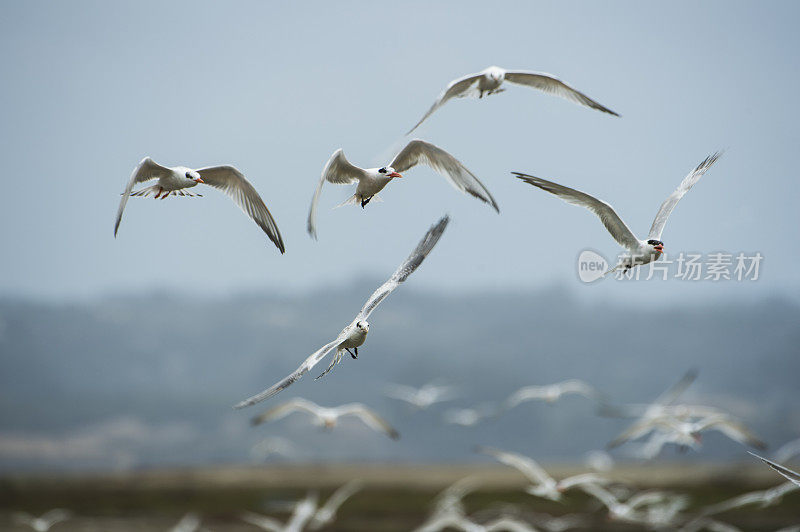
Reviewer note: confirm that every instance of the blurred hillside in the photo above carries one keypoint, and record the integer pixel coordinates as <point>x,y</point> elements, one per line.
<point>130,382</point>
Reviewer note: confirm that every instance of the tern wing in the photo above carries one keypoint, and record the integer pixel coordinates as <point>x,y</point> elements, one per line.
<point>600,494</point>
<point>579,387</point>
<point>339,497</point>
<point>734,430</point>
<point>262,521</point>
<point>526,466</point>
<point>285,409</point>
<point>459,88</point>
<point>611,220</point>
<point>406,268</point>
<point>669,204</point>
<point>304,510</point>
<point>526,394</point>
<point>146,170</point>
<point>233,183</point>
<point>400,392</point>
<point>552,85</point>
<point>338,170</point>
<point>673,392</point>
<point>578,480</point>
<point>636,430</point>
<point>293,377</point>
<point>370,418</point>
<point>421,152</point>
<point>784,471</point>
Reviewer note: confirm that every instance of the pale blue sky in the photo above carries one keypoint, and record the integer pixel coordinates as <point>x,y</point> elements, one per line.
<point>89,88</point>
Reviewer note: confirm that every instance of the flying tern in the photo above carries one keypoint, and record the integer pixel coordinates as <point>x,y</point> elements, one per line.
<point>355,333</point>
<point>328,417</point>
<point>543,485</point>
<point>422,398</point>
<point>551,393</point>
<point>688,433</point>
<point>370,181</point>
<point>489,81</point>
<point>638,252</point>
<point>176,180</point>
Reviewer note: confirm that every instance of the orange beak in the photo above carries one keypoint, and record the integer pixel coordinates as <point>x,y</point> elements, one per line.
<point>394,174</point>
<point>659,248</point>
<point>199,180</point>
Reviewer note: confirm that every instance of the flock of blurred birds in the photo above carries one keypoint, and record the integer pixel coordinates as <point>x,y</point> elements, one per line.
<point>664,421</point>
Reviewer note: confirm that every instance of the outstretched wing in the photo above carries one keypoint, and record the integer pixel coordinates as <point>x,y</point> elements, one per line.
<point>407,268</point>
<point>146,170</point>
<point>669,204</point>
<point>331,506</point>
<point>672,393</point>
<point>527,466</point>
<point>459,88</point>
<point>526,393</point>
<point>411,263</point>
<point>785,471</point>
<point>233,183</point>
<point>262,521</point>
<point>611,220</point>
<point>733,430</point>
<point>372,420</point>
<point>552,85</point>
<point>285,409</point>
<point>636,430</point>
<point>579,387</point>
<point>578,480</point>
<point>400,392</point>
<point>293,377</point>
<point>421,152</point>
<point>339,171</point>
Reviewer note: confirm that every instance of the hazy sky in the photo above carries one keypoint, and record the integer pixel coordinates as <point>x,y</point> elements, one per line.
<point>89,88</point>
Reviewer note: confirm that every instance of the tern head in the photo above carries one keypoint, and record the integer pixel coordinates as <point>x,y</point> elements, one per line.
<point>388,171</point>
<point>363,326</point>
<point>495,73</point>
<point>657,245</point>
<point>192,175</point>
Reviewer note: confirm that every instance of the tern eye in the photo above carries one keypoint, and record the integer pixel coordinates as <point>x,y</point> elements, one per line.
<point>382,170</point>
